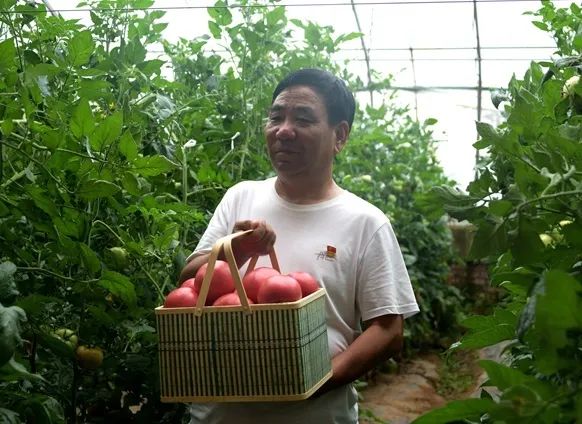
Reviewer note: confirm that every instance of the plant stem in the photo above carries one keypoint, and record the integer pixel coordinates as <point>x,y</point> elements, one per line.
<point>29,157</point>
<point>33,353</point>
<point>548,197</point>
<point>54,274</point>
<point>366,56</point>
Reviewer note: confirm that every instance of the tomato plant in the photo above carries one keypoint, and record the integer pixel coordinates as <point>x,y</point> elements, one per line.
<point>527,205</point>
<point>109,172</point>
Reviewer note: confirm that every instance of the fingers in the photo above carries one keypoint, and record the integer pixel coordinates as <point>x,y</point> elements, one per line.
<point>243,226</point>
<point>260,241</point>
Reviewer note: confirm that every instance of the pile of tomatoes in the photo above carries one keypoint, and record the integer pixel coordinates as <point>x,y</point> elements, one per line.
<point>261,285</point>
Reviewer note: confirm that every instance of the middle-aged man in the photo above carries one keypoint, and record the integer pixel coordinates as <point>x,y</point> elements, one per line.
<point>347,244</point>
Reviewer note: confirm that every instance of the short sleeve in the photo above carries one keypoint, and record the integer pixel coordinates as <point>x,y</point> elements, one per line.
<point>383,284</point>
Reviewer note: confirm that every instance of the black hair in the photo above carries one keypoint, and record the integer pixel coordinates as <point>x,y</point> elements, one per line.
<point>338,100</point>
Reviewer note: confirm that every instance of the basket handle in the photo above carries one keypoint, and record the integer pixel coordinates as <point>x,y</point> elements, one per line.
<point>225,244</point>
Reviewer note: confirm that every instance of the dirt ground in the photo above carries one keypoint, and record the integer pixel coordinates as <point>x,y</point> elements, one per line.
<point>421,384</point>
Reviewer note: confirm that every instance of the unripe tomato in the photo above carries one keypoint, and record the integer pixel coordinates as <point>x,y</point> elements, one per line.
<point>68,336</point>
<point>119,257</point>
<point>89,358</point>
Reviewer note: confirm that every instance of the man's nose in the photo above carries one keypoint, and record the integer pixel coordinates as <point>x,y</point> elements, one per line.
<point>286,130</point>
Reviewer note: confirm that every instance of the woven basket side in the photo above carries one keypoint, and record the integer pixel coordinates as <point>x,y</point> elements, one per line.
<point>269,353</point>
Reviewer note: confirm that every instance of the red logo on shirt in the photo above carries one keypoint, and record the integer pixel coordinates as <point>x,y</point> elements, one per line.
<point>329,254</point>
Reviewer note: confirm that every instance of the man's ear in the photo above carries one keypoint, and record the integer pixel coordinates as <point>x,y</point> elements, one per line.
<point>342,132</point>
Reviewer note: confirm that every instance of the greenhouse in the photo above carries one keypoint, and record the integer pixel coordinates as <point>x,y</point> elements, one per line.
<point>192,229</point>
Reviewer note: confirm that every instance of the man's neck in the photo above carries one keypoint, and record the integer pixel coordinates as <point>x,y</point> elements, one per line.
<point>306,191</point>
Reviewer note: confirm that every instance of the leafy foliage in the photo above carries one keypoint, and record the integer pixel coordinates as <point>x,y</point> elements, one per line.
<point>109,171</point>
<point>527,205</point>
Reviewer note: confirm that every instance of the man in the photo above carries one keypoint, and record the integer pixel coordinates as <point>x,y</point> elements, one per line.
<point>347,244</point>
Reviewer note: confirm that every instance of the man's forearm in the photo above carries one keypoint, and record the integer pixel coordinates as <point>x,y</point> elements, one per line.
<point>381,340</point>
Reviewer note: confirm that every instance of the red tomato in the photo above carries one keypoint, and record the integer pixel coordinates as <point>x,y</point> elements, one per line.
<point>180,298</point>
<point>306,281</point>
<point>190,283</point>
<point>255,279</point>
<point>221,283</point>
<point>229,299</point>
<point>278,289</point>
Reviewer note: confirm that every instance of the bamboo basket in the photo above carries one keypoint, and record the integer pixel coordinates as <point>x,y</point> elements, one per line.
<point>249,353</point>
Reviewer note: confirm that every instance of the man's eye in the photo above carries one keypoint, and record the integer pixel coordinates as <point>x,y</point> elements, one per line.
<point>275,118</point>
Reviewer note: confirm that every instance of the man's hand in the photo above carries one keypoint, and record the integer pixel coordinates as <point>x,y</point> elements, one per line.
<point>382,339</point>
<point>259,242</point>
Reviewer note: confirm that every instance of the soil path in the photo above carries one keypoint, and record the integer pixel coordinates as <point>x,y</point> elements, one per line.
<point>398,398</point>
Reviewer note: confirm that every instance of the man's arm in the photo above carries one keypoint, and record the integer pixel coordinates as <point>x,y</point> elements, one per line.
<point>382,339</point>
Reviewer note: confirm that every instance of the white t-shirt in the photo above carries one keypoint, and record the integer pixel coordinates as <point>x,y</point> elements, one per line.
<point>349,246</point>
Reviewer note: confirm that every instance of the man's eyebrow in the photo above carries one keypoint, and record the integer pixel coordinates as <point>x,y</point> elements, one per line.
<point>297,109</point>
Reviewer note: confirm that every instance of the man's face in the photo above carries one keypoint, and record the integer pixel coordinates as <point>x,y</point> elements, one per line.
<point>299,138</point>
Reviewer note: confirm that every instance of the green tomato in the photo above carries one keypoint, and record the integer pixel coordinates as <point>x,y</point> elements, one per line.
<point>68,336</point>
<point>546,239</point>
<point>569,88</point>
<point>119,257</point>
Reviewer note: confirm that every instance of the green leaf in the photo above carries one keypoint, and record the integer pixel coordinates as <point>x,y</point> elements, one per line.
<point>468,409</point>
<point>81,47</point>
<point>520,276</point>
<point>99,314</point>
<point>527,247</point>
<point>7,55</point>
<point>488,330</point>
<point>150,166</point>
<point>56,345</point>
<point>483,322</point>
<point>119,285</point>
<point>541,25</point>
<point>42,69</point>
<point>15,371</point>
<point>557,319</point>
<point>53,139</point>
<point>490,239</point>
<point>573,234</point>
<point>559,307</point>
<point>36,304</point>
<point>9,417</point>
<point>220,13</point>
<point>7,127</point>
<point>352,36</point>
<point>7,284</point>
<point>10,320</point>
<point>107,131</point>
<point>143,4</point>
<point>500,207</point>
<point>502,376</point>
<point>163,241</point>
<point>94,189</point>
<point>488,135</point>
<point>276,15</point>
<point>128,146</point>
<point>214,29</point>
<point>130,184</point>
<point>42,201</point>
<point>82,122</point>
<point>45,409</point>
<point>97,90</point>
<point>90,259</point>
